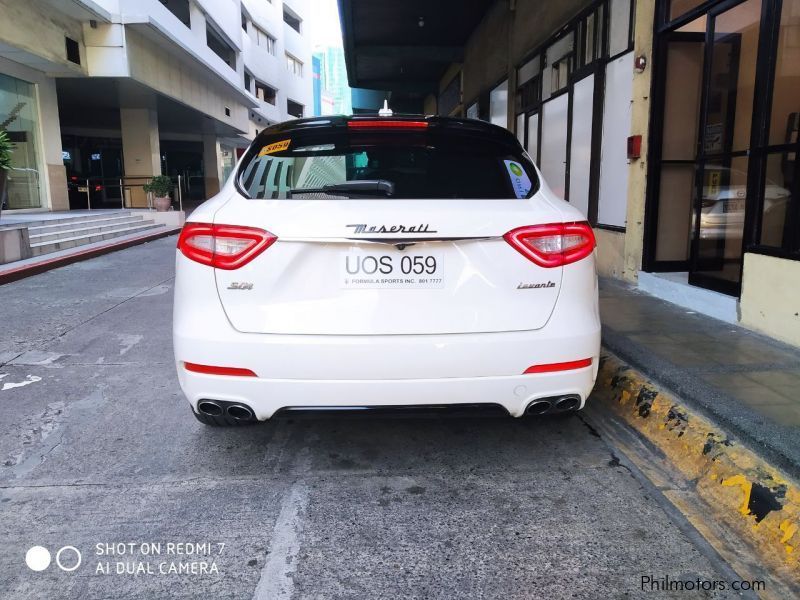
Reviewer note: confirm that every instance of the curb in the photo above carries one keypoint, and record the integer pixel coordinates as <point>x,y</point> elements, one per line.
<point>757,500</point>
<point>14,274</point>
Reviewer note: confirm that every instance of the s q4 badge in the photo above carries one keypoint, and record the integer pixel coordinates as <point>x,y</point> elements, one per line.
<point>240,285</point>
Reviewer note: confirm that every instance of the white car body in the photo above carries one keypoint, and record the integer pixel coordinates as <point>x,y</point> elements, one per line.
<point>299,332</point>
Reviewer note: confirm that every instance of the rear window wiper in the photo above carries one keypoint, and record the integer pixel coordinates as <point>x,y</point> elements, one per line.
<point>367,187</point>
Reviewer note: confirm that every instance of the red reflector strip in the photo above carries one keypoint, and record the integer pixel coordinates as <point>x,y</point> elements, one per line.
<point>387,124</point>
<point>211,370</point>
<point>564,366</point>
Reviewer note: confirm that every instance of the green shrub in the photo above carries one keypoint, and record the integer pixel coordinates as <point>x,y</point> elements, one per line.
<point>6,148</point>
<point>161,186</point>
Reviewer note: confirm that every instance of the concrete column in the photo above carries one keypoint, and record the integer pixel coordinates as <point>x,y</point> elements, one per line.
<point>141,151</point>
<point>54,179</point>
<point>212,164</point>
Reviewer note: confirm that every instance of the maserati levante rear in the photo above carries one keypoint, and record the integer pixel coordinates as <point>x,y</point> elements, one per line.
<point>375,262</point>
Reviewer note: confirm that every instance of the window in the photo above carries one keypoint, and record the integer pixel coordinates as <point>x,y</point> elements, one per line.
<point>220,47</point>
<point>779,226</point>
<point>498,105</point>
<point>248,80</point>
<point>295,109</point>
<point>619,31</point>
<point>293,65</point>
<point>179,8</point>
<point>265,92</point>
<point>558,65</point>
<point>590,37</point>
<point>527,97</point>
<point>244,21</point>
<point>680,7</point>
<point>472,111</point>
<point>265,40</point>
<point>430,164</point>
<point>291,19</point>
<point>73,51</point>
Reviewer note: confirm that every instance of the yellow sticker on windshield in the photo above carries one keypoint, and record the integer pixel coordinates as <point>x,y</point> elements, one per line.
<point>275,147</point>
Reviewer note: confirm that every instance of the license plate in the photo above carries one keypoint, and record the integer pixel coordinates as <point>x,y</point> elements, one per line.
<point>734,205</point>
<point>400,270</point>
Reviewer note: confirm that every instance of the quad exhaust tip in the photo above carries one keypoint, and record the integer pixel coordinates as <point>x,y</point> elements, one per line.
<point>210,408</point>
<point>240,412</point>
<point>219,408</point>
<point>557,404</point>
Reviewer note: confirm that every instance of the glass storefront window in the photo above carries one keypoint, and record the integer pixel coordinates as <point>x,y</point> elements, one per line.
<point>558,61</point>
<point>723,201</point>
<point>498,105</point>
<point>19,118</point>
<point>681,7</point>
<point>777,199</point>
<point>786,92</point>
<point>731,80</point>
<point>619,31</point>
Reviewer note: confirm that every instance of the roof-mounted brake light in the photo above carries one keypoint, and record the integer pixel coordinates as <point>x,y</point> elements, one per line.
<point>387,124</point>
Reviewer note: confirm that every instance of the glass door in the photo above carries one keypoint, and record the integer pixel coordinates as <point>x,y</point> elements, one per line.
<point>723,150</point>
<point>19,119</point>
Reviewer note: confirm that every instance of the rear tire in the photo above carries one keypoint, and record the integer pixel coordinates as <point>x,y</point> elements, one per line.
<point>221,421</point>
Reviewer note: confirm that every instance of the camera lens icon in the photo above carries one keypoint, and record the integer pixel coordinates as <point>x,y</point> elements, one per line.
<point>38,558</point>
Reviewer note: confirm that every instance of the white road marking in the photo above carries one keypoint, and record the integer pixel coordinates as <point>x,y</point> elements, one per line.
<point>28,380</point>
<point>128,341</point>
<point>277,576</point>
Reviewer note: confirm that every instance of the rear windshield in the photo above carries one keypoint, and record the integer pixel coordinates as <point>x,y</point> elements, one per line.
<point>426,164</point>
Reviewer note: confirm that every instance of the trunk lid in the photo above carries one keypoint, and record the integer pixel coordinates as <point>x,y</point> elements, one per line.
<point>385,266</point>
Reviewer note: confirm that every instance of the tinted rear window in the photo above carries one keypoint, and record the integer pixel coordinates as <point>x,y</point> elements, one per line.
<point>427,164</point>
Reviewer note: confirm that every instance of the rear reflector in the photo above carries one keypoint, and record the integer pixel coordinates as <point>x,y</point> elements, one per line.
<point>387,124</point>
<point>212,370</point>
<point>553,245</point>
<point>223,246</point>
<point>564,366</point>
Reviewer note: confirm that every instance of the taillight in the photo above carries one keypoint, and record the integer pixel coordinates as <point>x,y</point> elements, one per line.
<point>387,124</point>
<point>223,246</point>
<point>553,245</point>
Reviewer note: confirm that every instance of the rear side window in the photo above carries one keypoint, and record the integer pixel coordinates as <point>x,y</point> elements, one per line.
<point>426,165</point>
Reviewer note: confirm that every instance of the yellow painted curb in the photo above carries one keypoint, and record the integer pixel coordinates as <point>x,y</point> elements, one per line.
<point>754,498</point>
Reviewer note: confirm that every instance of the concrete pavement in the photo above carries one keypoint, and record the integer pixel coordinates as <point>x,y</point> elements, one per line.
<point>99,447</point>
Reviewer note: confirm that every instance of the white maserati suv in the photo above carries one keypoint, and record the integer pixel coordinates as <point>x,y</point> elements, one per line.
<point>385,262</point>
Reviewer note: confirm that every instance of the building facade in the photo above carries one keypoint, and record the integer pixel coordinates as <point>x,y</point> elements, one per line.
<point>100,95</point>
<point>334,95</point>
<point>672,124</point>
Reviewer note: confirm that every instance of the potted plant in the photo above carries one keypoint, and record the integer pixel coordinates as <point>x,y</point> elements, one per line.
<point>161,187</point>
<point>5,165</point>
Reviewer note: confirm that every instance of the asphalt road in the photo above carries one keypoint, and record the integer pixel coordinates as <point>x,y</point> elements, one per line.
<point>98,448</point>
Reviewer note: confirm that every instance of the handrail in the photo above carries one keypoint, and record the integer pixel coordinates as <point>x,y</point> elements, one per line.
<point>123,182</point>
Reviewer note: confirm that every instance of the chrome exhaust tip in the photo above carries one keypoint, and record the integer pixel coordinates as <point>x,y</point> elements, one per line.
<point>210,408</point>
<point>538,407</point>
<point>240,412</point>
<point>568,403</point>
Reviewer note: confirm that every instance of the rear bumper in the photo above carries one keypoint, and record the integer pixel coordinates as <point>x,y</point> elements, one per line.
<point>267,396</point>
<point>381,370</point>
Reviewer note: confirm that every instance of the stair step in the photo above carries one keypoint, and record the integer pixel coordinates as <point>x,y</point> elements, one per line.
<point>82,222</point>
<point>83,216</point>
<point>84,228</point>
<point>80,240</point>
